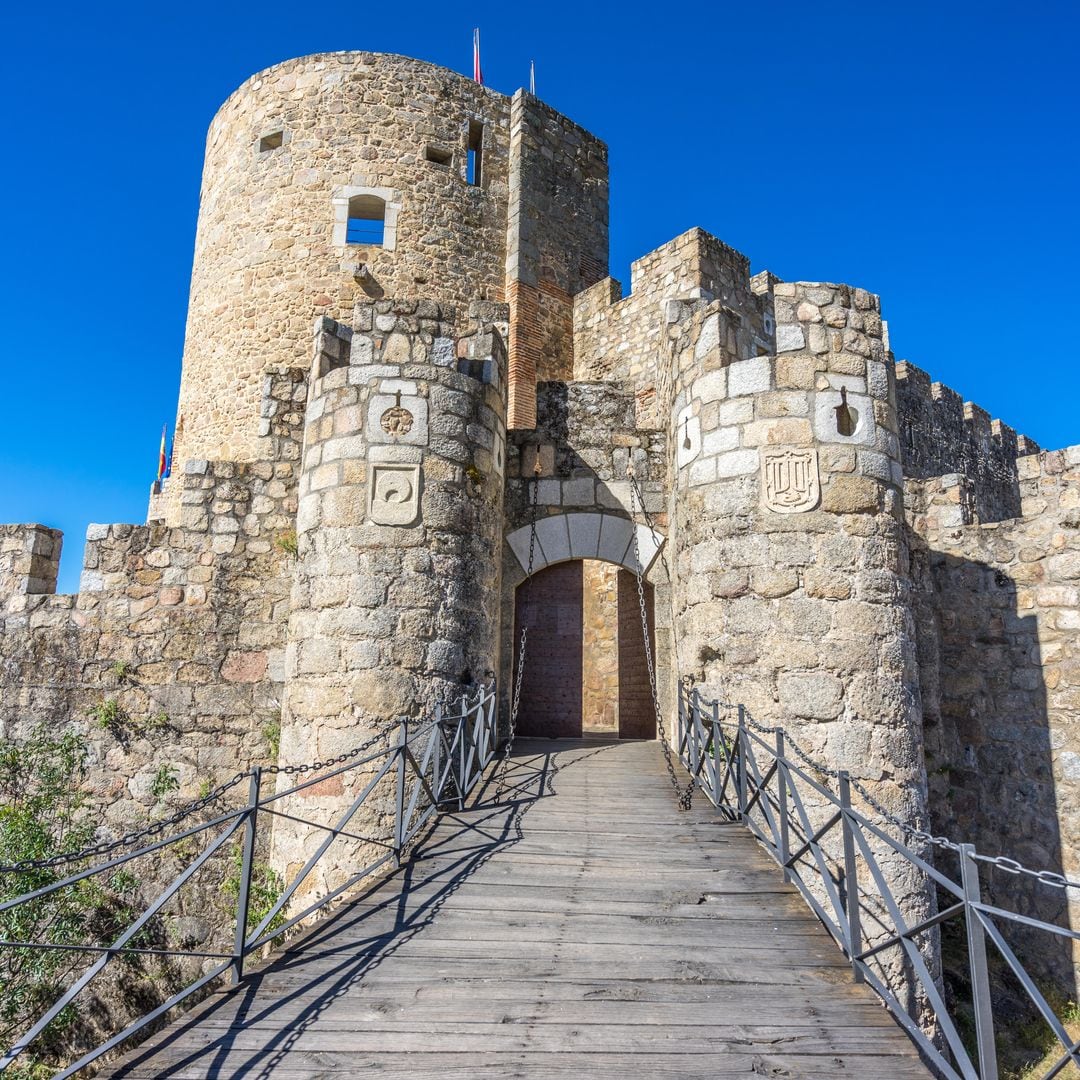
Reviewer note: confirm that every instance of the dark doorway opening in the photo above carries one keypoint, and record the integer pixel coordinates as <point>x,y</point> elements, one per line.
<point>585,668</point>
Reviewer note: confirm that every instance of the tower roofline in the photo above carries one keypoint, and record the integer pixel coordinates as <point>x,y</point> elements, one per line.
<point>382,58</point>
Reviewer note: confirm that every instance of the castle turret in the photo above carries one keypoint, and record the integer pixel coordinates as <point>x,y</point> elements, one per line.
<point>791,579</point>
<point>395,596</point>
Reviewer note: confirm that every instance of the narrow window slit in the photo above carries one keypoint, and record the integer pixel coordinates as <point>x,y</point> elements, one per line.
<point>475,167</point>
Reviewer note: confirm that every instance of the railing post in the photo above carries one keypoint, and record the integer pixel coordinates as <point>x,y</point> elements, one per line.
<point>851,876</point>
<point>695,723</point>
<point>740,762</point>
<point>717,754</point>
<point>462,738</point>
<point>680,721</point>
<point>400,825</point>
<point>980,975</point>
<point>436,785</point>
<point>243,897</point>
<point>784,851</point>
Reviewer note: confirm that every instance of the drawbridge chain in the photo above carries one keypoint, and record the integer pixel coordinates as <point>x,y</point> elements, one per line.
<point>515,702</point>
<point>685,795</point>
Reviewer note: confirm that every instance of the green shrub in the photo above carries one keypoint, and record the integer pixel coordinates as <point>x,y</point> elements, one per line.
<point>108,715</point>
<point>287,542</point>
<point>164,781</point>
<point>272,734</point>
<point>42,801</point>
<point>266,886</point>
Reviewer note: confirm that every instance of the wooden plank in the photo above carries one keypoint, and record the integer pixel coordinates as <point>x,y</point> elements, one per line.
<point>300,1065</point>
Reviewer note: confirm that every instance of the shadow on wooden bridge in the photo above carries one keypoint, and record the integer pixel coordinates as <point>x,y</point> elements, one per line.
<point>580,927</point>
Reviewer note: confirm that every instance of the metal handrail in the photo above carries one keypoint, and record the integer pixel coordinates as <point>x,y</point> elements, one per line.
<point>431,764</point>
<point>752,780</point>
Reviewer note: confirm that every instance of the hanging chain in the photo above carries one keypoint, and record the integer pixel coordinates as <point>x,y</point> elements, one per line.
<point>515,703</point>
<point>684,795</point>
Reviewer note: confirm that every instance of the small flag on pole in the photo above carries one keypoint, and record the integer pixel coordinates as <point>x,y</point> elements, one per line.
<point>532,77</point>
<point>478,75</point>
<point>162,459</point>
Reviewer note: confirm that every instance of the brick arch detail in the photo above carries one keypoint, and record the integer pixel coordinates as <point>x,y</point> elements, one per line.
<point>609,537</point>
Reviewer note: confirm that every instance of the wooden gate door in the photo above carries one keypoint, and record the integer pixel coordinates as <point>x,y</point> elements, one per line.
<point>550,605</point>
<point>637,718</point>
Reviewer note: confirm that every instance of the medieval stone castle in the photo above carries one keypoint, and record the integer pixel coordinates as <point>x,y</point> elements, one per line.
<point>401,333</point>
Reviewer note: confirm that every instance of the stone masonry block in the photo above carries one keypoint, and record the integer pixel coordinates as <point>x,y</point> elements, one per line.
<point>750,376</point>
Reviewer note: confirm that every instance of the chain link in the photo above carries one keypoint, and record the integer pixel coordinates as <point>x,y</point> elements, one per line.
<point>685,795</point>
<point>1001,862</point>
<point>107,847</point>
<point>834,774</point>
<point>515,701</point>
<point>355,752</point>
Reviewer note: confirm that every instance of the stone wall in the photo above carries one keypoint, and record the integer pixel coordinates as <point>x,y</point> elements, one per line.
<point>998,607</point>
<point>182,629</point>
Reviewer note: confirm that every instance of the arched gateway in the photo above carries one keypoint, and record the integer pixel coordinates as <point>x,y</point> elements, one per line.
<point>585,671</point>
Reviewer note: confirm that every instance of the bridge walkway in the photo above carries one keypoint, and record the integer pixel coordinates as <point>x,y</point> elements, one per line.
<point>583,928</point>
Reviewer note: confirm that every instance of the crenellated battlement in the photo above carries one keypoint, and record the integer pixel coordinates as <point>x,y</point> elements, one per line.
<point>619,337</point>
<point>943,435</point>
<point>29,563</point>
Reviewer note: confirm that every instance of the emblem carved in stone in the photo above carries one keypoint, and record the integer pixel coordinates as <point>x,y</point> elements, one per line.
<point>397,420</point>
<point>790,483</point>
<point>394,494</point>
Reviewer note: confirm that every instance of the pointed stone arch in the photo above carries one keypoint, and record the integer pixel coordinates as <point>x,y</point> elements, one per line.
<point>609,537</point>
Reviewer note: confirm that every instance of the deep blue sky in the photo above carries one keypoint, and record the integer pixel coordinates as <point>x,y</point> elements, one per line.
<point>927,152</point>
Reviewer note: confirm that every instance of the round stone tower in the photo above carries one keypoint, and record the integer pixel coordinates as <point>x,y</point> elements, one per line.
<point>792,586</point>
<point>395,600</point>
<point>333,180</point>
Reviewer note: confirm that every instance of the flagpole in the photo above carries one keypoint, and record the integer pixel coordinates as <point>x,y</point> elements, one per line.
<point>532,77</point>
<point>478,74</point>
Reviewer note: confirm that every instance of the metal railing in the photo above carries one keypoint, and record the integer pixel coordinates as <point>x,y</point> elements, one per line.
<point>750,773</point>
<point>429,764</point>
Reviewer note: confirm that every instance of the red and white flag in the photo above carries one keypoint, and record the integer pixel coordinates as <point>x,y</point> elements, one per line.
<point>477,75</point>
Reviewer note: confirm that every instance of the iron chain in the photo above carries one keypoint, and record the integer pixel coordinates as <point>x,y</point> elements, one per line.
<point>1002,862</point>
<point>685,795</point>
<point>106,847</point>
<point>130,839</point>
<point>515,701</point>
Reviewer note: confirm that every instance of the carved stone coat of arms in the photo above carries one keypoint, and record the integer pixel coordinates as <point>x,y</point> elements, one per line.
<point>790,483</point>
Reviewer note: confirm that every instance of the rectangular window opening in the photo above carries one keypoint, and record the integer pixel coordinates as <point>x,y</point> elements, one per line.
<point>438,156</point>
<point>475,168</point>
<point>272,141</point>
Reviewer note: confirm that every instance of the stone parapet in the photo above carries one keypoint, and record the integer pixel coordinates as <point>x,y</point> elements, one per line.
<point>625,338</point>
<point>941,435</point>
<point>29,563</point>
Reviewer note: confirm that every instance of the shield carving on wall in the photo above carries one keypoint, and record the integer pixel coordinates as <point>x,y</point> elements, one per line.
<point>790,483</point>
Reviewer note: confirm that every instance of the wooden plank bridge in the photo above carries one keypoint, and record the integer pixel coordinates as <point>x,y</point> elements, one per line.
<point>582,928</point>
